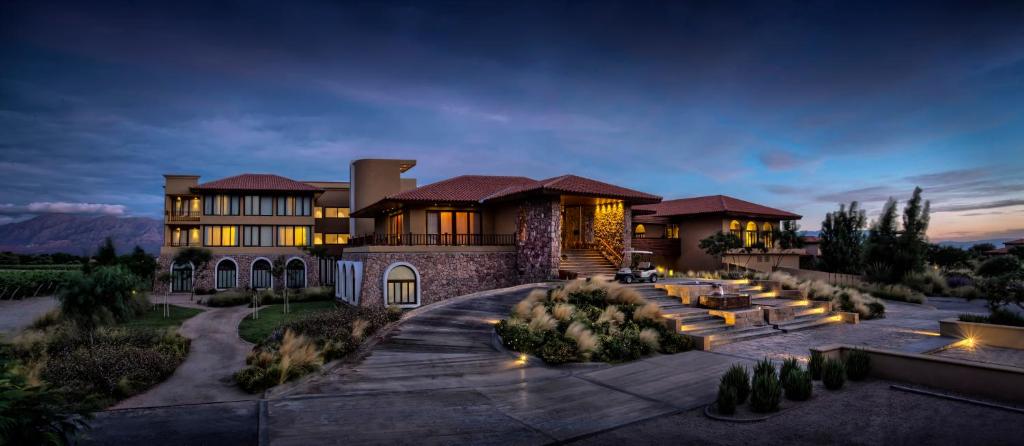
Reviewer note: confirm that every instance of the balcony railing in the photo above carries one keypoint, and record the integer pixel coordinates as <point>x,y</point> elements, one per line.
<point>433,240</point>
<point>182,244</point>
<point>172,216</point>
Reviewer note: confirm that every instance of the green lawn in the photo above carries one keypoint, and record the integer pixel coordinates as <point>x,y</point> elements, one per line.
<point>270,317</point>
<point>154,318</point>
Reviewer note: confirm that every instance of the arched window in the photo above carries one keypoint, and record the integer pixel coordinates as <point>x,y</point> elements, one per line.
<point>352,283</point>
<point>640,231</point>
<point>181,277</point>
<point>750,234</point>
<point>295,273</point>
<point>262,277</point>
<point>227,274</point>
<point>401,286</point>
<point>766,233</point>
<point>734,227</point>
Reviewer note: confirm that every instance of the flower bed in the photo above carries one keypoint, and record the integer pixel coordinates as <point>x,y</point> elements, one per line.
<point>301,346</point>
<point>588,320</point>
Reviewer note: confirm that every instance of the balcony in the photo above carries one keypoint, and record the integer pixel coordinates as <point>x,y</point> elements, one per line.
<point>433,240</point>
<point>183,217</point>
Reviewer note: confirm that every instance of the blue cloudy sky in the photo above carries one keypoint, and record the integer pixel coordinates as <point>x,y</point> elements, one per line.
<point>799,105</point>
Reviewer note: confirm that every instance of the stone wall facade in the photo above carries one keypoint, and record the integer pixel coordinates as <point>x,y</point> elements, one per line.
<point>443,275</point>
<point>206,279</point>
<point>538,241</point>
<point>612,225</point>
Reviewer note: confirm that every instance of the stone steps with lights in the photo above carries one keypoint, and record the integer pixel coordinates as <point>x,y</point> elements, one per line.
<point>807,322</point>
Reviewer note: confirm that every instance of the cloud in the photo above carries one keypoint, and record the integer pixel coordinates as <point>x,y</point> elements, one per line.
<point>863,195</point>
<point>782,160</point>
<point>979,206</point>
<point>46,207</point>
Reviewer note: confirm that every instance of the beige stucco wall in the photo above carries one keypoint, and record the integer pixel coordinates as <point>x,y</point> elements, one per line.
<point>372,180</point>
<point>985,335</point>
<point>691,232</point>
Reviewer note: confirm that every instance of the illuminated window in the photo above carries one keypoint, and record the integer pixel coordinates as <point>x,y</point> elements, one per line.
<point>766,232</point>
<point>318,212</point>
<point>318,238</point>
<point>336,239</point>
<point>293,236</point>
<point>734,226</point>
<point>640,231</point>
<point>459,227</point>
<point>750,234</point>
<point>221,235</point>
<point>672,231</point>
<point>336,212</point>
<point>301,206</point>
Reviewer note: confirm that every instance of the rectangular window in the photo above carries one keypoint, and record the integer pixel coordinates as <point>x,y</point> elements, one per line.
<point>336,239</point>
<point>672,231</point>
<point>221,205</point>
<point>459,227</point>
<point>252,205</point>
<point>336,212</point>
<point>208,205</point>
<point>258,236</point>
<point>266,206</point>
<point>318,212</point>
<point>221,235</point>
<point>293,235</point>
<point>318,238</point>
<point>396,224</point>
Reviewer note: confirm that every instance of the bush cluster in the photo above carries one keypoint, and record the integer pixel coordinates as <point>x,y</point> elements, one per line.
<point>798,385</point>
<point>858,364</point>
<point>765,388</point>
<point>299,347</point>
<point>588,320</point>
<point>815,365</point>
<point>999,316</point>
<point>833,374</point>
<point>97,370</point>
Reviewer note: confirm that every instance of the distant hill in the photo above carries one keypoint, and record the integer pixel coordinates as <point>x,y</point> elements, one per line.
<point>80,234</point>
<point>965,245</point>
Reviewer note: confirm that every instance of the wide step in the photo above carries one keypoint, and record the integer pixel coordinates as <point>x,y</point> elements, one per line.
<point>743,335</point>
<point>807,322</point>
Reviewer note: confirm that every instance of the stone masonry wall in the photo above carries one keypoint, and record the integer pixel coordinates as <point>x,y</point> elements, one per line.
<point>538,242</point>
<point>443,275</point>
<point>206,278</point>
<point>609,225</point>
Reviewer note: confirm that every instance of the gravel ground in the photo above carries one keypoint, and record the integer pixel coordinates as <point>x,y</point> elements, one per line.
<point>18,314</point>
<point>862,413</point>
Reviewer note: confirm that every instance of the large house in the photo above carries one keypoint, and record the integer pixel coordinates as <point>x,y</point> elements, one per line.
<point>409,246</point>
<point>249,222</point>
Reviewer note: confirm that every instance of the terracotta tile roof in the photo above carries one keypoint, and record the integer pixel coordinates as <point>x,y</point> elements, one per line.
<point>577,185</point>
<point>256,182</point>
<point>461,188</point>
<point>714,204</point>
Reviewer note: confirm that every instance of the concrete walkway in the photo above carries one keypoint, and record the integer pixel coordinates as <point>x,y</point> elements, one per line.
<point>438,378</point>
<point>215,354</point>
<point>15,315</point>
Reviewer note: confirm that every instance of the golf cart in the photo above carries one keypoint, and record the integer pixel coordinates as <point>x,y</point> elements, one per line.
<point>641,269</point>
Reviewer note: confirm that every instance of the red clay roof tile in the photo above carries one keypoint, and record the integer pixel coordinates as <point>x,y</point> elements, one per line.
<point>714,204</point>
<point>256,182</point>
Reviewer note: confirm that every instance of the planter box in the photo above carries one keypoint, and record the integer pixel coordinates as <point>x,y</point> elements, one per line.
<point>725,302</point>
<point>985,334</point>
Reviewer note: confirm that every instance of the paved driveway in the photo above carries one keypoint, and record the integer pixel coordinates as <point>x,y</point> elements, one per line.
<point>15,315</point>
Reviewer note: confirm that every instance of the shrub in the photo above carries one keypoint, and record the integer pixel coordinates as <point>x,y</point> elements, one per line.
<point>31,415</point>
<point>765,392</point>
<point>229,298</point>
<point>789,365</point>
<point>833,374</point>
<point>930,282</point>
<point>625,346</point>
<point>999,316</point>
<point>253,379</point>
<point>650,337</point>
<point>558,349</point>
<point>998,266</point>
<point>727,399</point>
<point>672,342</point>
<point>516,336</point>
<point>898,292</point>
<point>958,280</point>
<point>969,292</point>
<point>764,367</point>
<point>858,364</point>
<point>798,385</point>
<point>876,310</point>
<point>738,379</point>
<point>815,365</point>
<point>106,295</point>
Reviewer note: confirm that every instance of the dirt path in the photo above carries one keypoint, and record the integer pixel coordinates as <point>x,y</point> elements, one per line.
<point>215,355</point>
<point>15,315</point>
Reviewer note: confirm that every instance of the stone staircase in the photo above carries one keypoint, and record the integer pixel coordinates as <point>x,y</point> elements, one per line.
<point>714,330</point>
<point>587,263</point>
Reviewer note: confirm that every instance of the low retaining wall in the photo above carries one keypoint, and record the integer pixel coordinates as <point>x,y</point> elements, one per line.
<point>985,380</point>
<point>831,278</point>
<point>991,335</point>
<point>442,275</point>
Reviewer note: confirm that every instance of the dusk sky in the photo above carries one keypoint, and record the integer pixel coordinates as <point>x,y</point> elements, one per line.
<point>796,105</point>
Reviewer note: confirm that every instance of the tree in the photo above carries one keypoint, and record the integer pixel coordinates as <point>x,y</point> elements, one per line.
<point>881,245</point>
<point>140,263</point>
<point>913,241</point>
<point>980,249</point>
<point>720,243</point>
<point>787,237</point>
<point>842,239</point>
<point>199,258</point>
<point>278,270</point>
<point>106,255</point>
<point>1017,251</point>
<point>999,266</point>
<point>105,295</point>
<point>947,257</point>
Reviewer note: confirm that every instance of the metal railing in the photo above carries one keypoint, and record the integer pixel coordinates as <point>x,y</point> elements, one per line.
<point>172,216</point>
<point>408,239</point>
<point>609,253</point>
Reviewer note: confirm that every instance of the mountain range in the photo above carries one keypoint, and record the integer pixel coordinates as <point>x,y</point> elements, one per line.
<point>80,234</point>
